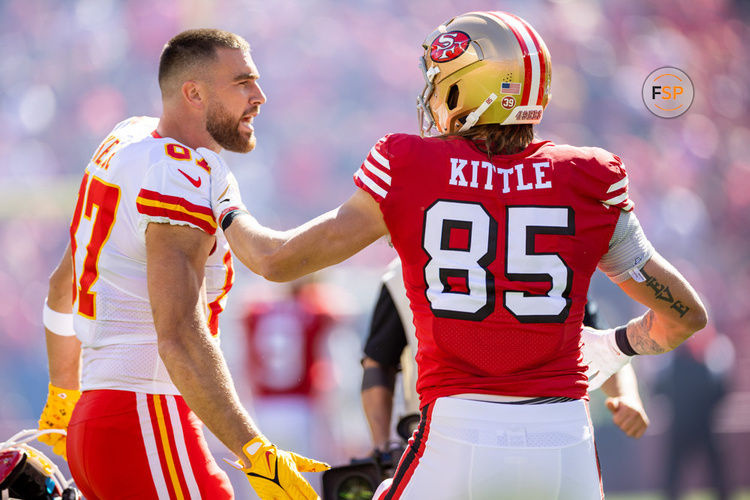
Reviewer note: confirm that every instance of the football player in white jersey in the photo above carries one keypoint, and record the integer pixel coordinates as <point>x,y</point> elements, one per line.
<point>150,276</point>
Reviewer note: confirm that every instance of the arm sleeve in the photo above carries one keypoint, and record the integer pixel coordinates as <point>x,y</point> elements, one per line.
<point>629,250</point>
<point>177,191</point>
<point>387,339</point>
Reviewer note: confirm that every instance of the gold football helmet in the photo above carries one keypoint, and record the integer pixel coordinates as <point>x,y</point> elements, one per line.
<point>483,67</point>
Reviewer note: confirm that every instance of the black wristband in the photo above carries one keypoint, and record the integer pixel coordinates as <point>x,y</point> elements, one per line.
<point>621,337</point>
<point>229,218</point>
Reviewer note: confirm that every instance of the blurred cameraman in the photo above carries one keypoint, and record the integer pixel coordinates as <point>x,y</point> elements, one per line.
<point>391,346</point>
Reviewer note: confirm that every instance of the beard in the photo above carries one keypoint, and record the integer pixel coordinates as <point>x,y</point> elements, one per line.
<point>224,129</point>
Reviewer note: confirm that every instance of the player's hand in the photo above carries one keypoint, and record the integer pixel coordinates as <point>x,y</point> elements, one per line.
<point>275,474</point>
<point>225,192</point>
<point>629,415</point>
<point>601,355</point>
<point>56,415</point>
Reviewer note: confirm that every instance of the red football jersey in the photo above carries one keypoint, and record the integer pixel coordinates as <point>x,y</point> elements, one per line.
<point>497,257</point>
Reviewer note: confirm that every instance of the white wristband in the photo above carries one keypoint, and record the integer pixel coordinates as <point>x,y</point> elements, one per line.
<point>57,323</point>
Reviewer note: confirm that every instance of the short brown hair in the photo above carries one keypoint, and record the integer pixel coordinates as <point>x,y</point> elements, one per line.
<point>495,139</point>
<point>191,49</point>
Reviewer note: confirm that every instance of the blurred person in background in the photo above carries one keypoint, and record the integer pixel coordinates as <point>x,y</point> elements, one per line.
<point>288,366</point>
<point>391,346</point>
<point>695,381</point>
<point>498,234</point>
<point>150,276</point>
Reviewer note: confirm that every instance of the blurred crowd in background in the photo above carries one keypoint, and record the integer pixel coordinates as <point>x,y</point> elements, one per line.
<point>340,74</point>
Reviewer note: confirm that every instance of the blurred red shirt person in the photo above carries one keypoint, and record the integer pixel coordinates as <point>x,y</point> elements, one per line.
<point>284,340</point>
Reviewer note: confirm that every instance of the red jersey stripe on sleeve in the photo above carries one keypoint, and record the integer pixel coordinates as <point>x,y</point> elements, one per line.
<point>175,208</point>
<point>377,158</point>
<point>373,171</point>
<point>147,194</point>
<point>364,182</point>
<point>374,175</point>
<point>619,195</point>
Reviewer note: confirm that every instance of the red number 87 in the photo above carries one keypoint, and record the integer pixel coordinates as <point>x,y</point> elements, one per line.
<point>106,197</point>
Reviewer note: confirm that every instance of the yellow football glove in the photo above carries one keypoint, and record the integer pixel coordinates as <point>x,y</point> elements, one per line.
<point>56,415</point>
<point>274,474</point>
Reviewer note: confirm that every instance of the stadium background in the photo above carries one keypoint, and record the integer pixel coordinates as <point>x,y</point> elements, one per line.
<point>339,75</point>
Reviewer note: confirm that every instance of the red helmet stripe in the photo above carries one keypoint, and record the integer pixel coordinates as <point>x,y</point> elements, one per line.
<point>533,60</point>
<point>542,60</point>
<point>526,56</point>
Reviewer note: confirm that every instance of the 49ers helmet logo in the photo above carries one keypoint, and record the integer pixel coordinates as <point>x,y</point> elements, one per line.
<point>449,46</point>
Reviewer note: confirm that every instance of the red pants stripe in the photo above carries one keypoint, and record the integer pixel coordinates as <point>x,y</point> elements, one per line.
<point>596,452</point>
<point>410,459</point>
<point>132,445</point>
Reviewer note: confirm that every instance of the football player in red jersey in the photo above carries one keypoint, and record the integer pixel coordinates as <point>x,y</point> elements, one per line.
<point>499,234</point>
<point>391,345</point>
<point>150,275</point>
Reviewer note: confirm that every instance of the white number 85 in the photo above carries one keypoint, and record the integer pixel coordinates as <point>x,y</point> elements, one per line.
<point>461,241</point>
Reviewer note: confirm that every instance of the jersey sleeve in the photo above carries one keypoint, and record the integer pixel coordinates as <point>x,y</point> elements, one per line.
<point>605,178</point>
<point>374,175</point>
<point>177,190</point>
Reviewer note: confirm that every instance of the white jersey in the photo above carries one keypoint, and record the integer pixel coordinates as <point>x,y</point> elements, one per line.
<point>135,177</point>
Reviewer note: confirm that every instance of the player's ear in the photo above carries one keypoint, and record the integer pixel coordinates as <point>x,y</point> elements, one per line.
<point>193,94</point>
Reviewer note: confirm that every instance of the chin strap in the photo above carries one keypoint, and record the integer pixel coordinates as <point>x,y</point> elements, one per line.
<point>473,117</point>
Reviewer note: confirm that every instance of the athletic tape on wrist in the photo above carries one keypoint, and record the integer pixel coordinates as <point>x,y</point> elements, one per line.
<point>58,323</point>
<point>621,337</point>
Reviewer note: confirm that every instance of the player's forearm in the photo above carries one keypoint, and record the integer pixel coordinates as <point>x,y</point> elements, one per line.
<point>254,244</point>
<point>64,359</point>
<point>198,369</point>
<point>378,383</point>
<point>176,258</point>
<point>287,255</point>
<point>377,403</point>
<point>278,255</point>
<point>63,352</point>
<point>195,364</point>
<point>625,403</point>
<point>622,384</point>
<point>324,241</point>
<point>653,333</point>
<point>676,311</point>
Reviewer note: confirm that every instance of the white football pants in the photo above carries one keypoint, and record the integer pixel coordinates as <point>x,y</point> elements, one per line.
<point>476,450</point>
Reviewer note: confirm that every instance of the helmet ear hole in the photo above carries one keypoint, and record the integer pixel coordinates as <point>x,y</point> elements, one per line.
<point>452,100</point>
